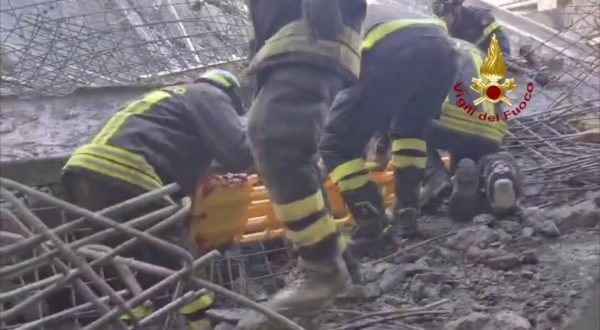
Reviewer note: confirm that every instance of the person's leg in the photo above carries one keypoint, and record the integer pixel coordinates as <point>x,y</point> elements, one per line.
<point>436,183</point>
<point>284,127</point>
<point>432,71</point>
<point>350,125</point>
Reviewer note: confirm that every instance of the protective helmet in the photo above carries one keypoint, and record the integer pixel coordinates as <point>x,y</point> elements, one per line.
<point>440,7</point>
<point>226,81</point>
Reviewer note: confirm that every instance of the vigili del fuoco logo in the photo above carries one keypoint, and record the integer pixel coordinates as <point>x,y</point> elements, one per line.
<point>493,87</point>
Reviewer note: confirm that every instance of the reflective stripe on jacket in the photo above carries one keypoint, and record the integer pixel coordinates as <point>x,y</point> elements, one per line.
<point>382,30</point>
<point>168,135</point>
<point>457,119</point>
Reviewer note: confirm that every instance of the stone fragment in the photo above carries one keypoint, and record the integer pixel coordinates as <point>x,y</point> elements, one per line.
<point>231,315</point>
<point>527,232</point>
<point>553,313</point>
<point>503,236</point>
<point>224,326</point>
<point>508,320</point>
<point>417,290</point>
<point>532,216</point>
<point>506,262</point>
<point>473,321</point>
<point>529,258</point>
<point>484,219</point>
<point>583,215</point>
<point>480,236</point>
<point>391,278</point>
<point>510,227</point>
<point>549,228</point>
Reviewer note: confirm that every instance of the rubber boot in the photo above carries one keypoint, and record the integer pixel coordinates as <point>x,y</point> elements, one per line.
<point>407,182</point>
<point>371,236</point>
<point>324,276</point>
<point>379,154</point>
<point>502,183</point>
<point>437,185</point>
<point>465,200</point>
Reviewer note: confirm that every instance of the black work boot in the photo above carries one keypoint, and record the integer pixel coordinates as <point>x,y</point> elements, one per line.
<point>407,181</point>
<point>437,185</point>
<point>502,183</point>
<point>465,200</point>
<point>370,237</point>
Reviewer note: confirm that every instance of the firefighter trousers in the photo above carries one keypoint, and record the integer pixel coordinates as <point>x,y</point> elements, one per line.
<point>285,124</point>
<point>402,86</point>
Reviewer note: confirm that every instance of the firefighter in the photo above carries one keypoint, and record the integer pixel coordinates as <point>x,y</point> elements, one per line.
<point>408,66</point>
<point>474,145</point>
<point>477,25</point>
<point>306,51</point>
<point>168,135</point>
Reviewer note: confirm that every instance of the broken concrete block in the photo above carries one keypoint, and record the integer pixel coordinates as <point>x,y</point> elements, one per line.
<point>548,228</point>
<point>527,232</point>
<point>530,258</point>
<point>508,320</point>
<point>533,216</point>
<point>473,321</point>
<point>231,315</point>
<point>506,262</point>
<point>583,215</point>
<point>224,326</point>
<point>480,236</point>
<point>391,278</point>
<point>417,290</point>
<point>510,227</point>
<point>484,219</point>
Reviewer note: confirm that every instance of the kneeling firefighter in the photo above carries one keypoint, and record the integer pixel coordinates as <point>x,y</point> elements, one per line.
<point>168,135</point>
<point>306,51</point>
<point>408,66</point>
<point>474,145</point>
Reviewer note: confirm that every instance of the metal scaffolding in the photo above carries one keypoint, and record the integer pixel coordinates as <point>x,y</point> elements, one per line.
<point>54,46</point>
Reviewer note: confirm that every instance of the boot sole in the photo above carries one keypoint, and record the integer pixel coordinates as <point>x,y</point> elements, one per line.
<point>505,198</point>
<point>463,201</point>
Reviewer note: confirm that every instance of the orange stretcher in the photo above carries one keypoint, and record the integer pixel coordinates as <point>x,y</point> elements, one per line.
<point>240,212</point>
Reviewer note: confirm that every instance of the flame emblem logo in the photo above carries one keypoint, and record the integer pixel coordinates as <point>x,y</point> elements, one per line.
<point>493,70</point>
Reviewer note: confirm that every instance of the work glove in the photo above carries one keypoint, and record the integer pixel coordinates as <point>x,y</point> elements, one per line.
<point>323,17</point>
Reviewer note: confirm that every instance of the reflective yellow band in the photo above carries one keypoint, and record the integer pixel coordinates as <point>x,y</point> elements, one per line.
<point>200,303</point>
<point>487,32</point>
<point>474,129</point>
<point>139,312</point>
<point>413,144</point>
<point>137,107</point>
<point>113,170</point>
<point>217,78</point>
<point>299,209</point>
<point>342,242</point>
<point>453,112</point>
<point>382,30</point>
<point>121,156</point>
<point>314,233</point>
<point>296,38</point>
<point>347,168</point>
<point>401,161</point>
<point>353,183</point>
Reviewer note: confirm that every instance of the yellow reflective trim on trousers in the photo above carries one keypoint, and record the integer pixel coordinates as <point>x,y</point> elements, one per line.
<point>472,123</point>
<point>120,156</point>
<point>383,30</point>
<point>342,242</point>
<point>113,170</point>
<point>295,38</point>
<point>139,312</point>
<point>402,161</point>
<point>301,208</point>
<point>214,76</point>
<point>347,168</point>
<point>353,183</point>
<point>470,129</point>
<point>487,31</point>
<point>200,303</point>
<point>136,107</point>
<point>314,233</point>
<point>409,143</point>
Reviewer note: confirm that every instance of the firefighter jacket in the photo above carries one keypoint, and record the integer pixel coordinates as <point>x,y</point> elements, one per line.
<point>459,114</point>
<point>477,25</point>
<point>168,135</point>
<point>282,36</point>
<point>382,20</point>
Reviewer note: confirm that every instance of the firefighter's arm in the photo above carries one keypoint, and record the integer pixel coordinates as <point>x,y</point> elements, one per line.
<point>490,27</point>
<point>221,129</point>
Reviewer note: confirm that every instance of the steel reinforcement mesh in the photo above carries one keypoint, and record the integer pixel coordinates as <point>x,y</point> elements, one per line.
<point>55,46</point>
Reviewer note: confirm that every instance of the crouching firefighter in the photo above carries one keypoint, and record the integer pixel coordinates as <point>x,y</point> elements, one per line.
<point>168,135</point>
<point>408,66</point>
<point>306,52</point>
<point>474,146</point>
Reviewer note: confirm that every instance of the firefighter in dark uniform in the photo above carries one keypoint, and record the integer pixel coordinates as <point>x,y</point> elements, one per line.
<point>306,51</point>
<point>168,135</point>
<point>477,25</point>
<point>408,66</point>
<point>474,146</point>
